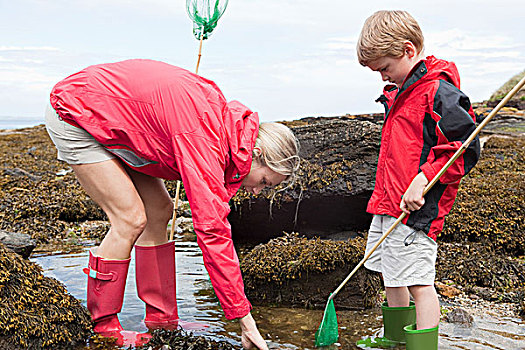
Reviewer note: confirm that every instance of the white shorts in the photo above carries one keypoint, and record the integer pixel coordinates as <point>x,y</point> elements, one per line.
<point>74,145</point>
<point>401,264</point>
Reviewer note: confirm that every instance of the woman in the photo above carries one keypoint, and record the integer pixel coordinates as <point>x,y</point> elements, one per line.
<point>123,127</point>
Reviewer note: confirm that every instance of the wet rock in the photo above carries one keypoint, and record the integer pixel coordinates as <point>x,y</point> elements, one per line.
<point>37,312</point>
<point>508,121</point>
<point>296,271</point>
<point>446,290</point>
<point>461,316</point>
<point>486,293</point>
<point>20,243</point>
<point>334,183</point>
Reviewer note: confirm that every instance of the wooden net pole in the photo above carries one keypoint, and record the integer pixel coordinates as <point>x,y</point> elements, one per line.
<point>176,204</point>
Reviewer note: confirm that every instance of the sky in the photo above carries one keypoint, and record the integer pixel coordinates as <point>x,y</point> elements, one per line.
<point>285,59</point>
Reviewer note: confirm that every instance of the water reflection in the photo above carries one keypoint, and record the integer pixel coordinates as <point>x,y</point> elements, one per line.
<point>283,328</point>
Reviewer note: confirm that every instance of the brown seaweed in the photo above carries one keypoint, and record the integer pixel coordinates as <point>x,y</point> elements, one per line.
<point>294,270</point>
<point>37,312</point>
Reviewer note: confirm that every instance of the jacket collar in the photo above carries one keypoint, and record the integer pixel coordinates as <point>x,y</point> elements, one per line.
<point>242,128</point>
<point>416,74</point>
<point>430,68</point>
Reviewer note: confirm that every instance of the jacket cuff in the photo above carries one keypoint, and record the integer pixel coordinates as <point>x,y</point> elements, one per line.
<point>429,171</point>
<point>238,312</point>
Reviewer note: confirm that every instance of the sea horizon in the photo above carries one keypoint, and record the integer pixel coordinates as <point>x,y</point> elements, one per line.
<point>9,122</point>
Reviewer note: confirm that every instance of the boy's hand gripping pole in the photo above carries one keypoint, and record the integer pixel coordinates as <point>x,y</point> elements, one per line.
<point>436,178</point>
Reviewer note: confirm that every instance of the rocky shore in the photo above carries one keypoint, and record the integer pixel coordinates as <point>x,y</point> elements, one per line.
<point>317,227</point>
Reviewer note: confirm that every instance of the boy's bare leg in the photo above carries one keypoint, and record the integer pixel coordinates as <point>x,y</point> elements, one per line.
<point>397,296</point>
<point>110,186</point>
<point>158,205</point>
<point>427,306</point>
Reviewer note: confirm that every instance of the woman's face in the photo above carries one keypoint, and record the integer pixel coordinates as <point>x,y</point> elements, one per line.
<point>260,177</point>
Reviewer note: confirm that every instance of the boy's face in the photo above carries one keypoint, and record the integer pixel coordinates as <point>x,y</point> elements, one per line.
<point>396,69</point>
<point>393,69</point>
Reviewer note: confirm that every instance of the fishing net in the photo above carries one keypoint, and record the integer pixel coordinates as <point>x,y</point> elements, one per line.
<point>205,14</point>
<point>327,334</point>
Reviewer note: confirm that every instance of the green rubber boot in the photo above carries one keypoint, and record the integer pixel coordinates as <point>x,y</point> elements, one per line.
<point>395,318</point>
<point>421,339</point>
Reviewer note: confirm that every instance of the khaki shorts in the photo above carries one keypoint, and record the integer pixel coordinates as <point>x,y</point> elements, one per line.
<point>401,265</point>
<point>74,145</point>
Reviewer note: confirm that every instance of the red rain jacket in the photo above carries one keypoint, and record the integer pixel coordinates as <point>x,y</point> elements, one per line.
<point>167,122</point>
<point>426,122</point>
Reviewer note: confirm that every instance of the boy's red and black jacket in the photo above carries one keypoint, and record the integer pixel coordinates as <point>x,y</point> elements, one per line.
<point>426,122</point>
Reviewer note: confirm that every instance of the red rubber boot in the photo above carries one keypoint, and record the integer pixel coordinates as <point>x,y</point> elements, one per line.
<point>105,295</point>
<point>156,286</point>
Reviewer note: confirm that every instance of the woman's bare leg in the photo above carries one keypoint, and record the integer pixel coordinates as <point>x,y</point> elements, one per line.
<point>111,187</point>
<point>158,205</point>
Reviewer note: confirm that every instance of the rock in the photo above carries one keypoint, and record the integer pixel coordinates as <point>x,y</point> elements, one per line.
<point>20,243</point>
<point>335,181</point>
<point>479,269</point>
<point>486,293</point>
<point>296,271</point>
<point>184,224</point>
<point>518,101</point>
<point>446,290</point>
<point>461,316</point>
<point>17,172</point>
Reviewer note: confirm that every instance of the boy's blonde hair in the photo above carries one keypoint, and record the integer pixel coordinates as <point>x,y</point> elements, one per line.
<point>279,149</point>
<point>385,33</point>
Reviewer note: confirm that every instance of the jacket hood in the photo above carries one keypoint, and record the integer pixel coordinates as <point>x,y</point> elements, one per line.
<point>242,128</point>
<point>441,69</point>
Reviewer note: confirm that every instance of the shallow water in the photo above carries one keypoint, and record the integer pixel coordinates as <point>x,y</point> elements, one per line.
<point>283,328</point>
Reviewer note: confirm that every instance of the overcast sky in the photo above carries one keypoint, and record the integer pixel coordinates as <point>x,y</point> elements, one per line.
<point>285,59</point>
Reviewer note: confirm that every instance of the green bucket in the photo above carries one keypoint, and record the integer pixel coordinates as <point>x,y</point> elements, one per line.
<point>395,318</point>
<point>418,339</point>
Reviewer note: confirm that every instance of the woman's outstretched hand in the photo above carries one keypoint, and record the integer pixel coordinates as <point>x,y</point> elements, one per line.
<point>251,338</point>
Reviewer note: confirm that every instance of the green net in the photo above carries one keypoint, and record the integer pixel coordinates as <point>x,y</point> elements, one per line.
<point>327,334</point>
<point>205,14</point>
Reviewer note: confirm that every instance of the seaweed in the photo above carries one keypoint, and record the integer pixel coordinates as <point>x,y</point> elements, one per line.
<point>182,340</point>
<point>37,312</point>
<point>491,200</point>
<point>294,270</point>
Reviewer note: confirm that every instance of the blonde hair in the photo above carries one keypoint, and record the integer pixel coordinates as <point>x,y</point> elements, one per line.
<point>385,33</point>
<point>279,149</point>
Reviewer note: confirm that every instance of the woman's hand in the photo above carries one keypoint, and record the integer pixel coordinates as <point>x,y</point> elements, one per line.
<point>251,338</point>
<point>413,197</point>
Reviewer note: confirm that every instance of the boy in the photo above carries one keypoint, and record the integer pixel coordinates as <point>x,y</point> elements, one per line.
<point>427,118</point>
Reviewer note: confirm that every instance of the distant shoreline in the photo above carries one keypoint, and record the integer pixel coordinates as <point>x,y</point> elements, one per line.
<point>9,123</point>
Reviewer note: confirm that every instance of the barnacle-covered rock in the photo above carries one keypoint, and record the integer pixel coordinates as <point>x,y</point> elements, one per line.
<point>296,271</point>
<point>37,312</point>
